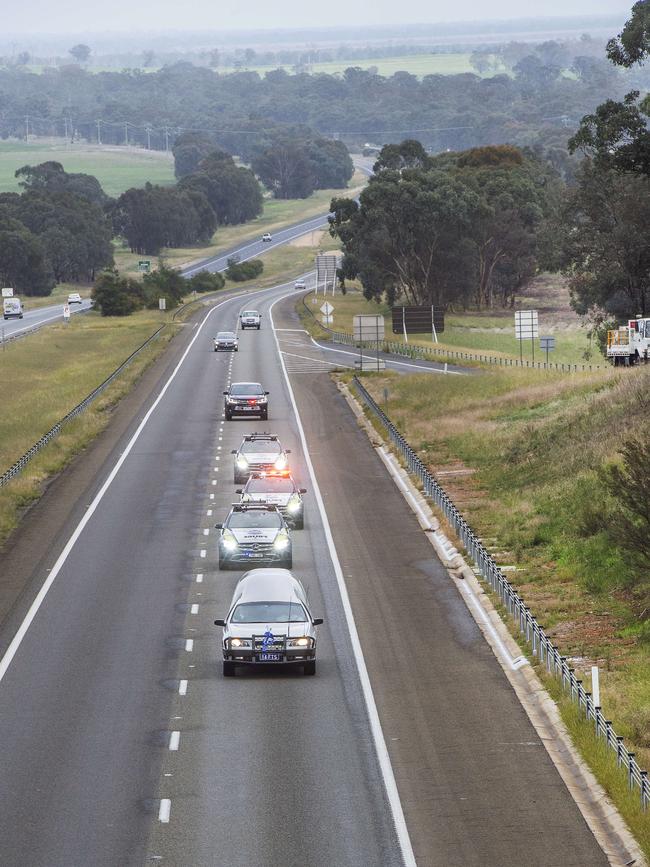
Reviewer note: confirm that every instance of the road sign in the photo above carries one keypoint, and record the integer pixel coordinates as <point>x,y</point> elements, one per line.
<point>66,312</point>
<point>368,327</point>
<point>548,345</point>
<point>421,319</point>
<point>162,304</point>
<point>327,309</point>
<point>144,265</point>
<point>526,325</point>
<point>369,362</point>
<point>7,292</point>
<point>327,320</point>
<point>326,267</point>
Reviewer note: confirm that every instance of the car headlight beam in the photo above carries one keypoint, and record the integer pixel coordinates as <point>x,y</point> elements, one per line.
<point>281,542</point>
<point>228,540</point>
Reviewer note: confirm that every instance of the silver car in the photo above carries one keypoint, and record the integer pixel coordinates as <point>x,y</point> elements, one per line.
<point>250,319</point>
<point>269,622</point>
<point>259,452</point>
<point>254,532</point>
<point>277,489</point>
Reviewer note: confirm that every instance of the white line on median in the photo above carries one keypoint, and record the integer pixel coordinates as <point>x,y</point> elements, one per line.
<point>182,687</point>
<point>381,749</point>
<point>194,609</point>
<point>174,741</point>
<point>189,644</point>
<point>165,810</point>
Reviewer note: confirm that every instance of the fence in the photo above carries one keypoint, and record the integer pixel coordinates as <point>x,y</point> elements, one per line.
<point>428,353</point>
<point>22,462</point>
<point>542,647</point>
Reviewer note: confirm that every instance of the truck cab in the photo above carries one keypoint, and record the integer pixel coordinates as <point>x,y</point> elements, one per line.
<point>12,308</point>
<point>630,343</point>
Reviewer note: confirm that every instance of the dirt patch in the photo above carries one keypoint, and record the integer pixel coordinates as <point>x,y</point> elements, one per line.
<point>313,239</point>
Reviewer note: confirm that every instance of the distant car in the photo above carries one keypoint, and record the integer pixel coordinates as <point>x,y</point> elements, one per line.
<point>259,452</point>
<point>269,622</point>
<point>267,236</point>
<point>250,319</point>
<point>246,398</point>
<point>74,298</point>
<point>277,488</point>
<point>300,283</point>
<point>226,340</point>
<point>254,532</point>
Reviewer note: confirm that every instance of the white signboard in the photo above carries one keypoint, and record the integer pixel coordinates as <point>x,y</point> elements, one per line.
<point>327,320</point>
<point>368,327</point>
<point>326,309</point>
<point>66,312</point>
<point>326,266</point>
<point>526,325</point>
<point>7,292</point>
<point>162,304</point>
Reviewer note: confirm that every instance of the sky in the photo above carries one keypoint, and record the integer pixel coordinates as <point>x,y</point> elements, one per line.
<point>27,17</point>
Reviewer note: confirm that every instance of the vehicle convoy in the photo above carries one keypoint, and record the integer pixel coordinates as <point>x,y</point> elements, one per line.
<point>254,532</point>
<point>269,622</point>
<point>250,319</point>
<point>630,343</point>
<point>12,308</point>
<point>279,489</point>
<point>246,398</point>
<point>259,452</point>
<point>74,298</point>
<point>226,340</point>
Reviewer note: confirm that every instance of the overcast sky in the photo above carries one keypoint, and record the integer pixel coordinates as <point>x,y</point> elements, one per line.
<point>78,16</point>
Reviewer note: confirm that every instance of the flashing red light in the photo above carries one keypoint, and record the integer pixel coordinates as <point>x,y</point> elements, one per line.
<point>251,402</point>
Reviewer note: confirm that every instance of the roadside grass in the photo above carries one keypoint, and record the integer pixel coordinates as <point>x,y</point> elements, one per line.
<point>45,376</point>
<point>59,295</point>
<point>277,215</point>
<point>486,332</point>
<point>116,168</point>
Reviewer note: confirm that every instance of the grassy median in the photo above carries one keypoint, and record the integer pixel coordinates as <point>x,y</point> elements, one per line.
<point>519,453</point>
<point>45,375</point>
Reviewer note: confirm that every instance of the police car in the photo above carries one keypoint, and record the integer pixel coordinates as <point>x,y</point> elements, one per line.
<point>278,489</point>
<point>259,452</point>
<point>269,622</point>
<point>254,532</point>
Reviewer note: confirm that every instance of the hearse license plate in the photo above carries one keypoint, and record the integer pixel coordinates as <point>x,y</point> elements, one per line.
<point>270,657</point>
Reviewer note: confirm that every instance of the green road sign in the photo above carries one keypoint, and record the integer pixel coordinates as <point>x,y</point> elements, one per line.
<point>144,265</point>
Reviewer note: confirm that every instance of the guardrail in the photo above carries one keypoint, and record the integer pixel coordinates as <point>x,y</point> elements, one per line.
<point>81,407</point>
<point>428,353</point>
<point>542,647</point>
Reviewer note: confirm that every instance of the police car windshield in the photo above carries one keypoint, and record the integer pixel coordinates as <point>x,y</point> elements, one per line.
<point>267,447</point>
<point>244,388</point>
<point>256,518</point>
<point>272,484</point>
<point>269,612</point>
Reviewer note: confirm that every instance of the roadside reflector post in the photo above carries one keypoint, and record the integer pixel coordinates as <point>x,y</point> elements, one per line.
<point>595,686</point>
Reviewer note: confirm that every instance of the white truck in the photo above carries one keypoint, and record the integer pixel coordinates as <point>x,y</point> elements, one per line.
<point>630,343</point>
<point>12,308</point>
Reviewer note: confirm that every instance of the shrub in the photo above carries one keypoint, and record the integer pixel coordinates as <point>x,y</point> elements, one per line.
<point>240,271</point>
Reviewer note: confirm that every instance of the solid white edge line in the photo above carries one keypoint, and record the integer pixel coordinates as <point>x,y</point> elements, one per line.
<point>381,749</point>
<point>165,809</point>
<point>17,640</point>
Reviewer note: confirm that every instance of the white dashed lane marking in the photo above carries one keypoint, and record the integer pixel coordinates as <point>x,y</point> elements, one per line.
<point>165,810</point>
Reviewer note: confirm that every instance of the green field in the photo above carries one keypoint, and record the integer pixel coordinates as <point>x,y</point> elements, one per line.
<point>116,168</point>
<point>416,64</point>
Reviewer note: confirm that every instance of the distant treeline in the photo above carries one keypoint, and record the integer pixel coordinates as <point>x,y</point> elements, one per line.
<point>538,104</point>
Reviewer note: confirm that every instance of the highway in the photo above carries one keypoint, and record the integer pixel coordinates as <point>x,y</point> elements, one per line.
<point>121,742</point>
<point>33,319</point>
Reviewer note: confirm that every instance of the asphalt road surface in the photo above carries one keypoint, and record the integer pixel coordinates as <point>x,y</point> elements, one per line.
<point>33,319</point>
<point>122,744</point>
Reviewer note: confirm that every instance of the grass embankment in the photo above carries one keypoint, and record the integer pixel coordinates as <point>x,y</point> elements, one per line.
<point>277,214</point>
<point>519,454</point>
<point>45,376</point>
<point>116,168</point>
<point>489,332</point>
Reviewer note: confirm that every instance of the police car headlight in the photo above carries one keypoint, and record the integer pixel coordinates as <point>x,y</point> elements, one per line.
<point>281,542</point>
<point>242,463</point>
<point>281,463</point>
<point>228,540</point>
<point>303,641</point>
<point>294,504</point>
<point>234,643</point>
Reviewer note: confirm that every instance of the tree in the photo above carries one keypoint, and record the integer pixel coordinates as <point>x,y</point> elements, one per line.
<point>206,281</point>
<point>116,296</point>
<point>285,169</point>
<point>80,52</point>
<point>22,261</point>
<point>188,150</point>
<point>52,177</point>
<point>605,250</point>
<point>331,164</point>
<point>633,44</point>
<point>409,154</point>
<point>238,271</point>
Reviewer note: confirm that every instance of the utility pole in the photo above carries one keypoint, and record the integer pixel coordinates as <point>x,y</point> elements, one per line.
<point>99,131</point>
<point>26,127</point>
<point>65,122</point>
<point>148,138</point>
<point>126,132</point>
<point>167,138</point>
